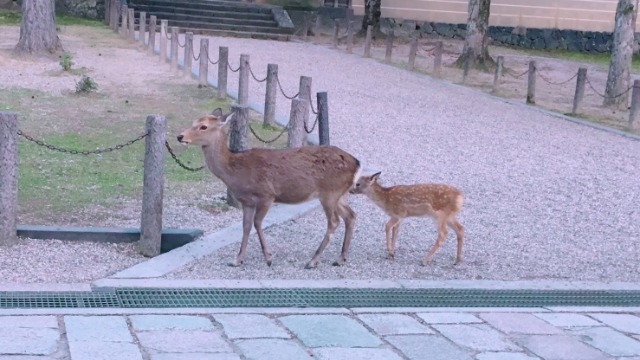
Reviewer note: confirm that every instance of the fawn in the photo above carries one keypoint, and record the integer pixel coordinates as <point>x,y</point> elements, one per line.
<point>260,177</point>
<point>438,201</point>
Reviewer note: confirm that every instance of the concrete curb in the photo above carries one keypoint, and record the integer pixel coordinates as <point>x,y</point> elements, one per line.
<point>44,287</point>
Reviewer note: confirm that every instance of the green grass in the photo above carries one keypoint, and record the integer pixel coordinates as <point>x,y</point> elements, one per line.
<point>8,17</point>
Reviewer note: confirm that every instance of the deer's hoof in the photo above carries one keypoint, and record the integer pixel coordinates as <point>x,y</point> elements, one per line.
<point>310,265</point>
<point>390,256</point>
<point>338,262</point>
<point>425,263</point>
<point>235,264</point>
<point>269,262</point>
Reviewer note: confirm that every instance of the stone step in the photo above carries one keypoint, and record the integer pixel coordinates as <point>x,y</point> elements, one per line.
<point>239,34</point>
<point>155,9</point>
<point>206,5</point>
<point>185,24</point>
<point>215,20</point>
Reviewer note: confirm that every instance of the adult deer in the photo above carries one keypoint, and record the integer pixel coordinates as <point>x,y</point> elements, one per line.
<point>259,177</point>
<point>438,201</point>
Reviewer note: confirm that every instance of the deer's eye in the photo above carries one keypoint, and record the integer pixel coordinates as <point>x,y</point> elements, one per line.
<point>203,127</point>
<point>357,185</point>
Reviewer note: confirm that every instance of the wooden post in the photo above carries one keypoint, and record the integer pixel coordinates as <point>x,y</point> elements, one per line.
<point>316,28</point>
<point>223,63</point>
<point>152,34</point>
<point>107,12</point>
<point>580,81</point>
<point>123,24</point>
<point>8,178</point>
<point>437,60</point>
<point>389,47</point>
<point>413,50</point>
<point>498,73</point>
<point>163,40</point>
<point>115,15</point>
<point>188,54</point>
<point>367,42</point>
<point>531,85</point>
<point>142,29</point>
<point>350,37</point>
<point>153,186</point>
<point>465,69</point>
<point>238,139</point>
<point>304,93</point>
<point>203,69</point>
<point>243,80</point>
<point>634,113</point>
<point>306,26</point>
<point>132,25</point>
<point>297,135</point>
<point>336,33</point>
<point>271,95</point>
<point>323,118</point>
<point>174,48</point>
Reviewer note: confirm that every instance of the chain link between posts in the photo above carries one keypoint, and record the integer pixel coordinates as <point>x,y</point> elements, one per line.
<point>180,163</point>
<point>272,140</point>
<point>282,90</point>
<point>603,95</point>
<point>81,152</point>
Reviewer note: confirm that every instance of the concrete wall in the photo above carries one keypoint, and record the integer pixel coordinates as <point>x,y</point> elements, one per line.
<point>582,15</point>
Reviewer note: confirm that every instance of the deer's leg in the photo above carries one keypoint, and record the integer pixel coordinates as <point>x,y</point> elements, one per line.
<point>248,213</point>
<point>332,223</point>
<point>442,235</point>
<point>261,212</point>
<point>459,229</point>
<point>349,216</point>
<point>390,232</point>
<point>396,230</point>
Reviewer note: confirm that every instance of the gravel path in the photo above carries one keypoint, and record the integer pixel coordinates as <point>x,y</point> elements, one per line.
<point>545,198</point>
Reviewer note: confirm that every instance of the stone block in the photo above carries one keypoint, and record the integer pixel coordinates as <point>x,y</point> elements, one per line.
<point>170,322</point>
<point>28,341</point>
<point>103,350</point>
<point>567,320</point>
<point>195,356</point>
<point>272,349</point>
<point>623,322</point>
<point>97,328</point>
<point>449,318</point>
<point>504,356</point>
<point>609,341</point>
<point>355,354</point>
<point>330,331</point>
<point>177,341</point>
<point>394,324</point>
<point>247,326</point>
<point>558,347</point>
<point>29,322</point>
<point>519,323</point>
<point>433,347</point>
<point>479,337</point>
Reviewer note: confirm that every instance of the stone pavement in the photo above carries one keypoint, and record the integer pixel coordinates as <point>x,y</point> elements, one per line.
<point>328,334</point>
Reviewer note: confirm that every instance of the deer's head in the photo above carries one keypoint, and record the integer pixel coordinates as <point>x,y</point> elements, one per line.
<point>201,131</point>
<point>364,183</point>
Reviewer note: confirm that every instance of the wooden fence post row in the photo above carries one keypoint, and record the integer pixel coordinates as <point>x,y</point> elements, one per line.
<point>8,178</point>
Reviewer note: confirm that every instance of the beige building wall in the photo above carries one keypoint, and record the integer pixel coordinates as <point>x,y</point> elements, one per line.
<point>585,15</point>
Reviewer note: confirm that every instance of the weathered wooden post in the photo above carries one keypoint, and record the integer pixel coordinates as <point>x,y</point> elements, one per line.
<point>243,80</point>
<point>174,48</point>
<point>238,141</point>
<point>336,33</point>
<point>634,113</point>
<point>297,135</point>
<point>115,15</point>
<point>163,40</point>
<point>124,15</point>
<point>304,93</point>
<point>306,26</point>
<point>323,118</point>
<point>271,95</point>
<point>437,59</point>
<point>531,85</point>
<point>223,64</point>
<point>153,186</point>
<point>8,178</point>
<point>367,42</point>
<point>580,81</point>
<point>107,12</point>
<point>413,50</point>
<point>152,34</point>
<point>389,47</point>
<point>203,69</point>
<point>188,54</point>
<point>132,25</point>
<point>497,74</point>
<point>350,37</point>
<point>142,28</point>
<point>465,69</point>
<point>316,29</point>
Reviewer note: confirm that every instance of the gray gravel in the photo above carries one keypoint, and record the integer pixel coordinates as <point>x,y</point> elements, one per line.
<point>545,198</point>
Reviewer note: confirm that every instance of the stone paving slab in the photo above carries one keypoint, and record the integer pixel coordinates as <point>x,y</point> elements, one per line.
<point>394,324</point>
<point>247,326</point>
<point>610,341</point>
<point>330,330</point>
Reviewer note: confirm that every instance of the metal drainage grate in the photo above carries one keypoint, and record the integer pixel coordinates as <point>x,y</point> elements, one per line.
<point>138,298</point>
<point>70,299</point>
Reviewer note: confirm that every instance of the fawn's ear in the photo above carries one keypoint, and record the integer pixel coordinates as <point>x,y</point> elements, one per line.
<point>217,112</point>
<point>375,176</point>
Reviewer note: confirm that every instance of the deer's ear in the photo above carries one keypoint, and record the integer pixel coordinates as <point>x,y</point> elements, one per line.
<point>376,176</point>
<point>217,112</point>
<point>224,119</point>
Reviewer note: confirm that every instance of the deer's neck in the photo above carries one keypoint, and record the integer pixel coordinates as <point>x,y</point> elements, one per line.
<point>379,194</point>
<point>217,157</point>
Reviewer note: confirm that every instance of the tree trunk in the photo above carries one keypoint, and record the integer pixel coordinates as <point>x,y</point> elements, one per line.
<point>372,14</point>
<point>619,78</point>
<point>38,28</point>
<point>477,40</point>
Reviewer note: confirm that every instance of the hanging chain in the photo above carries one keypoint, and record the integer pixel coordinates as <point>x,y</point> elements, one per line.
<point>82,152</point>
<point>306,128</point>
<point>269,141</point>
<point>182,165</point>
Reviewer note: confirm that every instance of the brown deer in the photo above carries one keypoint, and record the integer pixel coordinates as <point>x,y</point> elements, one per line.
<point>259,177</point>
<point>438,201</point>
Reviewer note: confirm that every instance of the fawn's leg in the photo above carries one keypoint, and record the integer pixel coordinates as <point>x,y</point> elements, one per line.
<point>248,213</point>
<point>459,229</point>
<point>330,210</point>
<point>442,235</point>
<point>389,231</point>
<point>261,211</point>
<point>349,217</point>
<point>394,235</point>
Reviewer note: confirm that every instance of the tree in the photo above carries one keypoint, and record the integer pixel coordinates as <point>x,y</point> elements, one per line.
<point>476,41</point>
<point>619,78</point>
<point>372,13</point>
<point>38,28</point>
